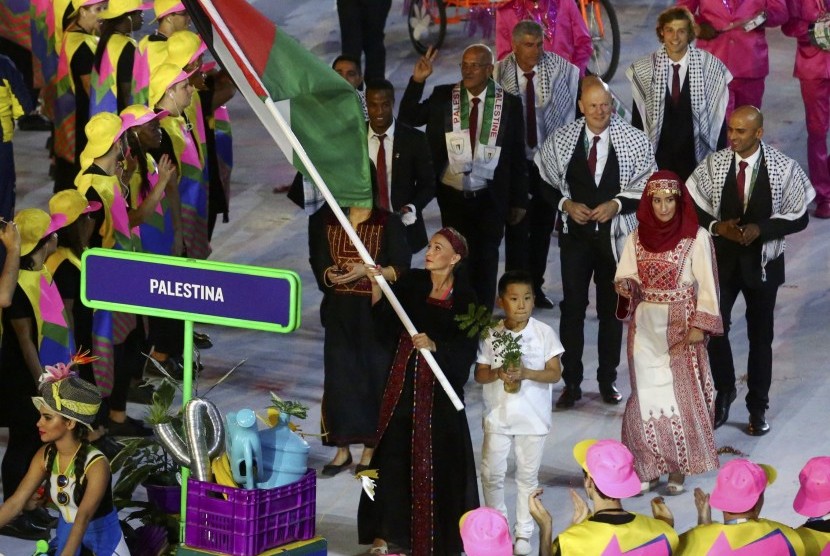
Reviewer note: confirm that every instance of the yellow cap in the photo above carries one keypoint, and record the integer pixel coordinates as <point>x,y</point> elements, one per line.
<point>78,4</point>
<point>71,203</point>
<point>118,8</point>
<point>167,7</point>
<point>102,131</point>
<point>34,225</point>
<point>164,77</point>
<point>183,47</point>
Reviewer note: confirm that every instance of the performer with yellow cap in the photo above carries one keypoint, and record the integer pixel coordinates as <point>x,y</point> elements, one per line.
<point>171,16</point>
<point>35,331</point>
<point>739,493</point>
<point>609,476</point>
<point>79,475</point>
<point>71,111</point>
<point>171,91</point>
<point>112,72</point>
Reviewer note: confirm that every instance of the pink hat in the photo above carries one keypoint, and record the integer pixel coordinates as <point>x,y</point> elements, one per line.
<point>485,532</point>
<point>739,485</point>
<point>813,498</point>
<point>610,465</point>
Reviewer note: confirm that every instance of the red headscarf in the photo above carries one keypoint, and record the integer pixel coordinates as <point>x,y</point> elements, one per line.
<point>658,236</point>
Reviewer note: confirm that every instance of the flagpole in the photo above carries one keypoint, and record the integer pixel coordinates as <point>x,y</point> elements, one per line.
<point>242,82</point>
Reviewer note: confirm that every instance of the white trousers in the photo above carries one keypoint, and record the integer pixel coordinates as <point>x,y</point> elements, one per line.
<point>528,450</point>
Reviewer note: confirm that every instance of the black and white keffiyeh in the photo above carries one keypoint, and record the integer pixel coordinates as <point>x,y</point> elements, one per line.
<point>556,79</point>
<point>708,79</point>
<point>790,187</point>
<point>634,156</point>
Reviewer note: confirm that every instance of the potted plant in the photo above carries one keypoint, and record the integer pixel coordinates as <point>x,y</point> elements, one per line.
<point>479,321</point>
<point>143,461</point>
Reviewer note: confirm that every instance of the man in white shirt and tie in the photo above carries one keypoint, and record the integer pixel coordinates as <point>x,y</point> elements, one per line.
<point>597,167</point>
<point>749,196</point>
<point>548,86</point>
<point>680,96</point>
<point>402,163</point>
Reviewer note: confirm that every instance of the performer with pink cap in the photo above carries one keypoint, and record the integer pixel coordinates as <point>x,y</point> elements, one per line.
<point>609,476</point>
<point>739,493</point>
<point>813,501</point>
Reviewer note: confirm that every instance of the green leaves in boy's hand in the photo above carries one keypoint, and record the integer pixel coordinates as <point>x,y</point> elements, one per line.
<point>477,321</point>
<point>289,407</point>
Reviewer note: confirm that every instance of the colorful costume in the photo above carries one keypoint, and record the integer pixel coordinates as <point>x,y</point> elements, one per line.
<point>117,61</point>
<point>14,102</point>
<point>812,68</point>
<point>103,533</point>
<point>355,360</point>
<point>72,105</point>
<point>193,188</point>
<point>744,52</point>
<point>617,534</point>
<point>424,457</point>
<point>565,30</point>
<point>763,536</point>
<point>671,273</point>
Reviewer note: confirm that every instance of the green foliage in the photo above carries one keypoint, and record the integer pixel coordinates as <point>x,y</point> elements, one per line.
<point>507,346</point>
<point>476,322</point>
<point>289,407</point>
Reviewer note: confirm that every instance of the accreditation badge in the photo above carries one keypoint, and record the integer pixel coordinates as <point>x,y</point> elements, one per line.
<point>459,153</point>
<point>486,160</point>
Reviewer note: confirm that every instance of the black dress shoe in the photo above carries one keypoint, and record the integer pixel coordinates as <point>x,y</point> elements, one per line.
<point>610,394</point>
<point>130,427</point>
<point>202,340</point>
<point>332,469</point>
<point>758,425</point>
<point>569,396</point>
<point>542,301</point>
<point>22,527</point>
<point>722,402</point>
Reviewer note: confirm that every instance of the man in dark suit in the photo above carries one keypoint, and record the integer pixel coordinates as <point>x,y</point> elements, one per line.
<point>476,134</point>
<point>404,175</point>
<point>597,167</point>
<point>749,196</point>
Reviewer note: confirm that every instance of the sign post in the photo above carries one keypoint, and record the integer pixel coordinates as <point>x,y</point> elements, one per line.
<point>191,290</point>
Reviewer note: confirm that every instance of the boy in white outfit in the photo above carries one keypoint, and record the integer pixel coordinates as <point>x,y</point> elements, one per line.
<point>522,418</point>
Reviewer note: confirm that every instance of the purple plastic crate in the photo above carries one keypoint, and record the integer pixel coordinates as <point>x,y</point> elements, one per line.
<point>249,522</point>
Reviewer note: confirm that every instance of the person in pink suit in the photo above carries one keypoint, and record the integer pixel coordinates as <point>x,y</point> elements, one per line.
<point>812,68</point>
<point>734,31</point>
<point>565,30</point>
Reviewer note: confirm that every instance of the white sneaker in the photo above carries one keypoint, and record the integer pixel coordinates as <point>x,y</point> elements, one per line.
<point>522,547</point>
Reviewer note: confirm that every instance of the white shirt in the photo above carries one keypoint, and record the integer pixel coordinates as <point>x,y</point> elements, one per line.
<point>684,70</point>
<point>528,410</point>
<point>603,146</point>
<point>466,182</point>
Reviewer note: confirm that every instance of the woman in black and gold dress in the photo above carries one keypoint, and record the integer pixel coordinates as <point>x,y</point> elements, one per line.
<point>355,361</point>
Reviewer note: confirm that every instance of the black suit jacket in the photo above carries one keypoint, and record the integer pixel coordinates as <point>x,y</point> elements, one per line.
<point>413,179</point>
<point>733,257</point>
<point>508,188</point>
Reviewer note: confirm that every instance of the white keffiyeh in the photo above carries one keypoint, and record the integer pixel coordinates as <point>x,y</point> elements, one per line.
<point>708,79</point>
<point>557,81</point>
<point>791,190</point>
<point>635,158</point>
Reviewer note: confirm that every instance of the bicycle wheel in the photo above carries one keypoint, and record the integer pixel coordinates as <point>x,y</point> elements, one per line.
<point>605,33</point>
<point>427,23</point>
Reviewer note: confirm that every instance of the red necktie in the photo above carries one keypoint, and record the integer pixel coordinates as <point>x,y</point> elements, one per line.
<point>592,158</point>
<point>530,99</point>
<point>675,85</point>
<point>741,182</point>
<point>474,124</point>
<point>383,184</point>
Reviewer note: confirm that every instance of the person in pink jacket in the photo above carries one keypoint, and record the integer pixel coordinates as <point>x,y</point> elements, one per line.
<point>565,30</point>
<point>734,31</point>
<point>812,68</point>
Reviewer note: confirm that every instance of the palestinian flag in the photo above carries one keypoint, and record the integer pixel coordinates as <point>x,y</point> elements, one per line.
<point>282,80</point>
